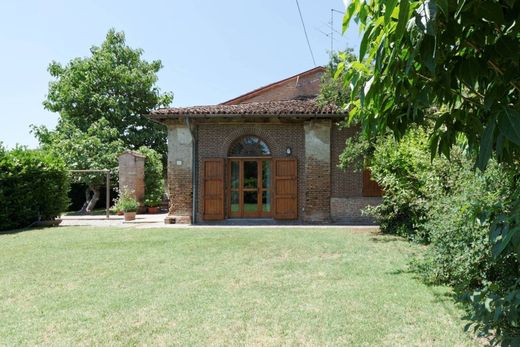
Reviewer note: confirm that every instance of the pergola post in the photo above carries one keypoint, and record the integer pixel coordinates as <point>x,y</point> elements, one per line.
<point>108,194</point>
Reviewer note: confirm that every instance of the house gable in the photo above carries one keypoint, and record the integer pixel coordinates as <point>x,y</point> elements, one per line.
<point>305,85</point>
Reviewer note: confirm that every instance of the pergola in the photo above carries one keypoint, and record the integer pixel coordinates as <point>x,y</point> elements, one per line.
<point>107,172</point>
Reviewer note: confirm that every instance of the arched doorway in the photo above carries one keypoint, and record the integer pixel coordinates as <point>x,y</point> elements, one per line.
<point>249,178</point>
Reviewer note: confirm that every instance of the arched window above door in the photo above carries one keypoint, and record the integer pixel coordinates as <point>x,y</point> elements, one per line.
<point>249,146</point>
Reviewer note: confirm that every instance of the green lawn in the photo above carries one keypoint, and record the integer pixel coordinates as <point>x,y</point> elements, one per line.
<point>267,287</point>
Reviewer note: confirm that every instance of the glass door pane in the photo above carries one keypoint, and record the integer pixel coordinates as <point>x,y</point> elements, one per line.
<point>235,210</point>
<point>250,174</point>
<point>235,175</point>
<point>250,187</point>
<point>266,187</point>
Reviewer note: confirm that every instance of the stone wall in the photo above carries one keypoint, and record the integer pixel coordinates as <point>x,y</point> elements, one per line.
<point>180,165</point>
<point>317,171</point>
<point>131,174</point>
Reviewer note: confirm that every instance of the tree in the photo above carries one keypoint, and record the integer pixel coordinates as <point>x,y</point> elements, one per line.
<point>113,83</point>
<point>453,66</point>
<point>96,148</point>
<point>461,56</point>
<point>335,90</point>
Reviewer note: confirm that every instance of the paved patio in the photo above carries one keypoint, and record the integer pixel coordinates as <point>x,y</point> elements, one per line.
<point>157,221</point>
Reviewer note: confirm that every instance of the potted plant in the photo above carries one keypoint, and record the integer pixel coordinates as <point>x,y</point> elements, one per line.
<point>152,205</point>
<point>153,199</point>
<point>128,204</point>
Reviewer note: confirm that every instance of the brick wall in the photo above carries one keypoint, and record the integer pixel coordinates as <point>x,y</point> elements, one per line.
<point>308,85</point>
<point>349,210</point>
<point>347,201</point>
<point>180,165</point>
<point>180,191</point>
<point>214,141</point>
<point>343,200</point>
<point>317,191</point>
<point>345,183</point>
<point>317,171</point>
<point>131,174</point>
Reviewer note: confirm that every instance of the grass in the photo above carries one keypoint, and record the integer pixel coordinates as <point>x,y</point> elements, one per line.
<point>125,286</point>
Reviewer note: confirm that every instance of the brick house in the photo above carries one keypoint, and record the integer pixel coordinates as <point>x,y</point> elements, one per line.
<point>271,153</point>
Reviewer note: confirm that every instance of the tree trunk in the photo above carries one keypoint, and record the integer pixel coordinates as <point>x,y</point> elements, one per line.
<point>90,201</point>
<point>93,201</point>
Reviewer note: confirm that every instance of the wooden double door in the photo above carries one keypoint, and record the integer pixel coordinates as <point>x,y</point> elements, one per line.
<point>250,188</point>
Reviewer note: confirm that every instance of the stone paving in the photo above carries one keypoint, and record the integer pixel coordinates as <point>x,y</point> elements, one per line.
<point>157,221</point>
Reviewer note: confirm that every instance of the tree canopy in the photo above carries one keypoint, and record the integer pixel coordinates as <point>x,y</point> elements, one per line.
<point>114,83</point>
<point>454,64</point>
<point>96,148</point>
<point>452,68</point>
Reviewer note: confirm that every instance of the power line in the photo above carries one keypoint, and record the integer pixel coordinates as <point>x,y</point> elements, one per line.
<point>332,28</point>
<point>331,32</point>
<point>305,32</point>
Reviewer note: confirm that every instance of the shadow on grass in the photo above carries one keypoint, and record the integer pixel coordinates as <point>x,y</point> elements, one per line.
<point>406,271</point>
<point>21,230</point>
<point>385,238</point>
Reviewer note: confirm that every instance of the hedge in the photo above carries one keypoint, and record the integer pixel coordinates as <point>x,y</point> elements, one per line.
<point>33,187</point>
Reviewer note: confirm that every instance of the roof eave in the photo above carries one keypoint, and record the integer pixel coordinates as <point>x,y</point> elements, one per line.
<point>164,117</point>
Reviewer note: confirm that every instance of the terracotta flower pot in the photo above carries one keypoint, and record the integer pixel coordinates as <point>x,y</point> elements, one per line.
<point>129,216</point>
<point>120,213</point>
<point>153,210</point>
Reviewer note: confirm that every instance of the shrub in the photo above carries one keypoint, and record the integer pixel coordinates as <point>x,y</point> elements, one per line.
<point>399,168</point>
<point>34,186</point>
<point>470,220</point>
<point>126,202</point>
<point>460,252</point>
<point>153,177</point>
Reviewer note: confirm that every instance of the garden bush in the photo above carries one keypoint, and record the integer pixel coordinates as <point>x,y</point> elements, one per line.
<point>464,215</point>
<point>400,168</point>
<point>33,187</point>
<point>153,176</point>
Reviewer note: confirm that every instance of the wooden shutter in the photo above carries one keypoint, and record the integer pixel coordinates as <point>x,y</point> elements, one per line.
<point>213,189</point>
<point>285,188</point>
<point>370,187</point>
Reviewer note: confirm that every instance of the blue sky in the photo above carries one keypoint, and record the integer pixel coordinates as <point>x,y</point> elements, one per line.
<point>211,50</point>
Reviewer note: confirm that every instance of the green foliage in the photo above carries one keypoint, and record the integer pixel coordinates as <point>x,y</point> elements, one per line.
<point>460,56</point>
<point>358,151</point>
<point>454,65</point>
<point>461,254</point>
<point>33,187</point>
<point>113,83</point>
<point>153,177</point>
<point>334,90</point>
<point>457,198</point>
<point>449,205</point>
<point>96,148</point>
<point>126,202</point>
<point>399,167</point>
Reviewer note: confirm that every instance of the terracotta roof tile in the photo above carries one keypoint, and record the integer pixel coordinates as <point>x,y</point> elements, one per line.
<point>286,108</point>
